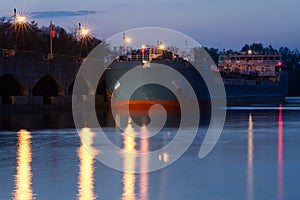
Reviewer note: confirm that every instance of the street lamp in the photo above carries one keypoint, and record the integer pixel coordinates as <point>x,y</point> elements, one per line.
<point>161,46</point>
<point>84,32</point>
<point>128,40</point>
<point>143,52</point>
<point>84,35</point>
<point>21,19</point>
<point>19,24</point>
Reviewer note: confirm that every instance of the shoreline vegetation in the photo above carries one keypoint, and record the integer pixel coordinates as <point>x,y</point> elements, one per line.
<point>30,37</point>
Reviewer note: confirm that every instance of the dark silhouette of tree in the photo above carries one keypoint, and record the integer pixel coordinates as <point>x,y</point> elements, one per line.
<point>290,58</point>
<point>257,47</point>
<point>245,48</point>
<point>214,53</point>
<point>30,37</point>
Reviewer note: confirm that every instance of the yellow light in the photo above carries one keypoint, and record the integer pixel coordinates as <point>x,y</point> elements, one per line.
<point>249,51</point>
<point>143,46</point>
<point>21,19</point>
<point>128,39</point>
<point>84,31</point>
<point>161,46</point>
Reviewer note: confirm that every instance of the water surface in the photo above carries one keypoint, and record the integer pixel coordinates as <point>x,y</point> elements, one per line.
<point>256,157</point>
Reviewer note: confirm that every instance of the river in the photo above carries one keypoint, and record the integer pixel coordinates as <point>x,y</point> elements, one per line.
<point>256,157</point>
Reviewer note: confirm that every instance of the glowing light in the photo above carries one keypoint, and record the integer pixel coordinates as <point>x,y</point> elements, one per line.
<point>21,19</point>
<point>143,46</point>
<point>161,46</point>
<point>23,182</point>
<point>86,155</point>
<point>279,63</point>
<point>127,39</point>
<point>84,32</point>
<point>249,51</point>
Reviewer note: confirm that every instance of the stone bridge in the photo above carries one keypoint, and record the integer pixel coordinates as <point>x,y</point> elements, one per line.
<point>30,78</point>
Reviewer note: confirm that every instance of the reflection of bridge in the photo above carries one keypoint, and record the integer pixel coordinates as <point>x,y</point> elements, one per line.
<point>28,78</point>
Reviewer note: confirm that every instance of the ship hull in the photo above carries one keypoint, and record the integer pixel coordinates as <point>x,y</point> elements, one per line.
<point>238,91</point>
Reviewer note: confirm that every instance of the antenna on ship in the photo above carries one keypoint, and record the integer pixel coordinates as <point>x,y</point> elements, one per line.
<point>124,42</point>
<point>185,50</point>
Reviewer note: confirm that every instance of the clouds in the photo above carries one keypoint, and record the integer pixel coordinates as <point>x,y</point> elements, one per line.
<point>63,13</point>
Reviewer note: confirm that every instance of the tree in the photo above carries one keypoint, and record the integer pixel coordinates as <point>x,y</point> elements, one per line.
<point>214,53</point>
<point>32,38</point>
<point>255,47</point>
<point>245,48</point>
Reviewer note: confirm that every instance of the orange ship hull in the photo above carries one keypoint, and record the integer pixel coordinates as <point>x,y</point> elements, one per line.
<point>144,105</point>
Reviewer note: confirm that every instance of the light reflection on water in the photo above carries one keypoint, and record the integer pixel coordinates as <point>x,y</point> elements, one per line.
<point>280,156</point>
<point>129,163</point>
<point>86,154</point>
<point>130,157</point>
<point>250,165</point>
<point>144,179</point>
<point>23,178</point>
<point>257,136</point>
<point>250,178</point>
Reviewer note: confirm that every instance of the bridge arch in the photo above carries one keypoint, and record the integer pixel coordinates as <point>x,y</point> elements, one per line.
<point>11,86</point>
<point>48,87</point>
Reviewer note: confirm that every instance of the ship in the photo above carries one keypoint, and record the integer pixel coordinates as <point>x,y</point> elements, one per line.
<point>253,77</point>
<point>248,78</point>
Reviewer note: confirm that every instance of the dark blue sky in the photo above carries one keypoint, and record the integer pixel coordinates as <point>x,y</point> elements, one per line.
<point>218,23</point>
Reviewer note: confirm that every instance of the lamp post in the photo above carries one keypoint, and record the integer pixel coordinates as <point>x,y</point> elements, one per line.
<point>19,22</point>
<point>84,32</point>
<point>52,35</point>
<point>84,35</point>
<point>15,18</point>
<point>143,52</point>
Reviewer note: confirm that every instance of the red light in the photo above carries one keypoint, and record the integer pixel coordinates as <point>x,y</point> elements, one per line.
<point>53,33</point>
<point>143,51</point>
<point>52,30</point>
<point>279,63</point>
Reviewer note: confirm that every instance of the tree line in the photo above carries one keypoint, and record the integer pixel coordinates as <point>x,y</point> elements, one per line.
<point>30,37</point>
